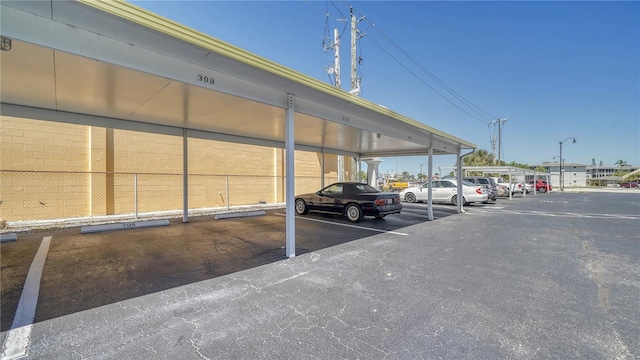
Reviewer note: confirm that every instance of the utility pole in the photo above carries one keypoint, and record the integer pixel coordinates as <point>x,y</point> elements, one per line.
<point>336,56</point>
<point>355,82</point>
<point>335,70</point>
<point>499,121</point>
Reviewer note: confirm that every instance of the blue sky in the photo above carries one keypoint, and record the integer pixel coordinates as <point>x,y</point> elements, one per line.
<point>554,69</point>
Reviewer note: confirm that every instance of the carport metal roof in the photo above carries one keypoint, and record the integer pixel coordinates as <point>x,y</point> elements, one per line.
<point>116,65</point>
<point>504,170</point>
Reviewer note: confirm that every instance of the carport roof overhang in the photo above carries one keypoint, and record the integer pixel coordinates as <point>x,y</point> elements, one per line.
<point>503,170</point>
<point>113,64</point>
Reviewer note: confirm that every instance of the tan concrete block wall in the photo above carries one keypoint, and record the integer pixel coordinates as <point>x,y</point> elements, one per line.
<point>255,174</point>
<point>35,145</point>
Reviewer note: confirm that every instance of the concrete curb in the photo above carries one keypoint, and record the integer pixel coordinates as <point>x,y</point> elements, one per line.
<point>240,214</point>
<point>8,237</point>
<point>123,226</point>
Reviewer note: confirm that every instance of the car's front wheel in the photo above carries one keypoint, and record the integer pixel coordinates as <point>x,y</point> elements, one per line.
<point>354,213</point>
<point>410,197</point>
<point>301,207</point>
<point>542,190</point>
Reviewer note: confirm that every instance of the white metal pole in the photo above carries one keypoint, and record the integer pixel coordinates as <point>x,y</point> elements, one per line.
<point>429,184</point>
<point>354,81</point>
<point>226,189</point>
<point>289,142</point>
<point>459,181</point>
<point>560,178</point>
<point>322,169</point>
<point>135,192</point>
<point>511,186</point>
<point>336,57</point>
<point>185,178</point>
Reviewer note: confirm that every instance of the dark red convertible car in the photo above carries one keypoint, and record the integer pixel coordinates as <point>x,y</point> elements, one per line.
<point>352,199</point>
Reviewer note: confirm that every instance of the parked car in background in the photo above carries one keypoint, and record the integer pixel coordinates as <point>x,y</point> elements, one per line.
<point>516,187</point>
<point>351,199</point>
<point>503,191</point>
<point>445,191</point>
<point>488,184</point>
<point>630,184</point>
<point>528,188</point>
<point>541,186</point>
<point>395,185</point>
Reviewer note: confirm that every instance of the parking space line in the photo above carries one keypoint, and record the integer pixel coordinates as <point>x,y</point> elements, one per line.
<point>347,225</point>
<point>19,336</point>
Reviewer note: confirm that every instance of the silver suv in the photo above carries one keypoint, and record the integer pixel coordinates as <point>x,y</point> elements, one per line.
<point>487,183</point>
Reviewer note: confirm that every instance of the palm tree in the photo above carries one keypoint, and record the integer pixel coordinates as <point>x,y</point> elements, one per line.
<point>620,163</point>
<point>479,158</point>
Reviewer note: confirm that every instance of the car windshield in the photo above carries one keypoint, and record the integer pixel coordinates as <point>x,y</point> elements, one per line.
<point>468,183</point>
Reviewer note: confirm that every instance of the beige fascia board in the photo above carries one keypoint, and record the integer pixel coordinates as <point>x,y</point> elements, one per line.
<point>143,17</point>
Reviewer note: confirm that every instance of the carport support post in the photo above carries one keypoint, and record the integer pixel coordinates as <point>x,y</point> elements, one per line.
<point>429,184</point>
<point>135,193</point>
<point>511,187</point>
<point>372,171</point>
<point>322,169</point>
<point>289,145</point>
<point>185,178</point>
<point>459,181</point>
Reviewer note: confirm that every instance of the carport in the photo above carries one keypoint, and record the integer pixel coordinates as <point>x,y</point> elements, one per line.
<point>510,171</point>
<point>115,65</point>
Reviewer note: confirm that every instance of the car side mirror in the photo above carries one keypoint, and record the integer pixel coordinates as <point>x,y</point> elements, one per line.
<point>318,192</point>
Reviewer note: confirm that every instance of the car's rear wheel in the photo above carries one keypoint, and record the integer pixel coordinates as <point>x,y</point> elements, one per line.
<point>410,197</point>
<point>301,207</point>
<point>354,213</point>
<point>542,190</point>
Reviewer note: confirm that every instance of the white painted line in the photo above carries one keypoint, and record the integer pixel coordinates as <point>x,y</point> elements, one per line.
<point>347,225</point>
<point>240,214</point>
<point>8,237</point>
<point>122,226</point>
<point>19,337</point>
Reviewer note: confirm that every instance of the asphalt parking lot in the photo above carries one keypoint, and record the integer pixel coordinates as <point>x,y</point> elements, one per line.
<point>548,276</point>
<point>85,271</point>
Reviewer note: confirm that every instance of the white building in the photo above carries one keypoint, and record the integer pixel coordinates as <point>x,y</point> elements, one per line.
<point>594,172</point>
<point>575,175</point>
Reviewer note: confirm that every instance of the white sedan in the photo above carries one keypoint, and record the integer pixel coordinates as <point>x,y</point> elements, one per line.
<point>445,191</point>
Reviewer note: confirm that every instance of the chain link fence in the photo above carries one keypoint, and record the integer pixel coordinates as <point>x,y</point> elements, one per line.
<point>30,199</point>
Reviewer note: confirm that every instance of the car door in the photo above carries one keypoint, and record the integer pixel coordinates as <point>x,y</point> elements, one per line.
<point>330,198</point>
<point>438,191</point>
<point>423,192</point>
<point>446,191</point>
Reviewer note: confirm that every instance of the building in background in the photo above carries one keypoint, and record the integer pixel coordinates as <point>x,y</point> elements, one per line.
<point>575,175</point>
<point>608,175</point>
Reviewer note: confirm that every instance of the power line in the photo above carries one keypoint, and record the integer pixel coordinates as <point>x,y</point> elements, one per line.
<point>424,82</point>
<point>476,109</point>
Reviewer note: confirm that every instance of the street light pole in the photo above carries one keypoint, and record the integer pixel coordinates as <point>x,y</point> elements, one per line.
<point>561,164</point>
